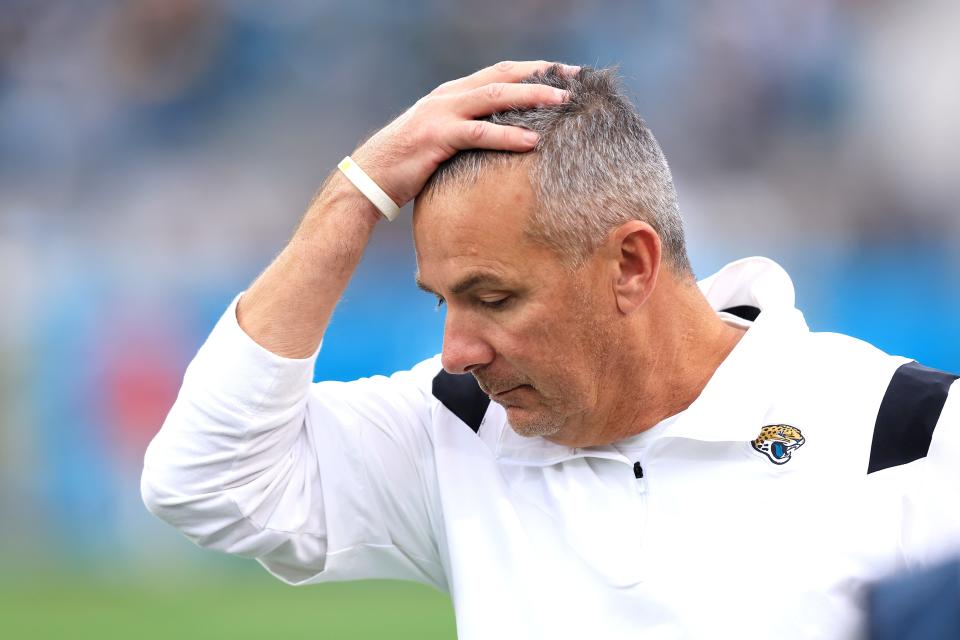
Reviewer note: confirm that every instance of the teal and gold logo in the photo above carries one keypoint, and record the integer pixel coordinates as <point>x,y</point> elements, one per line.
<point>778,442</point>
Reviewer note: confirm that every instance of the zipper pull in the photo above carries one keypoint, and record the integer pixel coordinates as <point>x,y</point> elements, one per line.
<point>638,473</point>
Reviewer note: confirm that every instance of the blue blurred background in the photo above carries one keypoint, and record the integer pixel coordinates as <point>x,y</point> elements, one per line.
<point>156,154</point>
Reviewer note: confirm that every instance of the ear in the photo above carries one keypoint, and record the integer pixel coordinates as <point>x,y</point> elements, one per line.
<point>635,246</point>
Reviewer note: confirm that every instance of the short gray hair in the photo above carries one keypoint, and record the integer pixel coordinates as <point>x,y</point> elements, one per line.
<point>597,166</point>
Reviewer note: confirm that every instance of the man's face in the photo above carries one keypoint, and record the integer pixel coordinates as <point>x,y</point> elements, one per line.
<point>534,334</point>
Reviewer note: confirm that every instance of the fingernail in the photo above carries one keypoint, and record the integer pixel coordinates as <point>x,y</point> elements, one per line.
<point>561,94</point>
<point>570,69</point>
<point>531,137</point>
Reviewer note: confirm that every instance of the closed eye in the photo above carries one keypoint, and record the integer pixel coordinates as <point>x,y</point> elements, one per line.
<point>497,303</point>
<point>494,304</point>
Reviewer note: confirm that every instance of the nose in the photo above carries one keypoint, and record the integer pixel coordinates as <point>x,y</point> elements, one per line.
<point>464,349</point>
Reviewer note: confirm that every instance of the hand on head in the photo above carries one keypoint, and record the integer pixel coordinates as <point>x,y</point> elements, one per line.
<point>403,155</point>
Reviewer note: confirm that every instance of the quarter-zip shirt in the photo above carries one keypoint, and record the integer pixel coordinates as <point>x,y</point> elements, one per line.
<point>810,465</point>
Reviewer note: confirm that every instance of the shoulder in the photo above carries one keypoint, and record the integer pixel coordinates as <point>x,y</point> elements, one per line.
<point>847,350</point>
<point>458,394</point>
<point>841,370</point>
<point>897,379</point>
<point>848,355</point>
<point>900,398</point>
<point>425,385</point>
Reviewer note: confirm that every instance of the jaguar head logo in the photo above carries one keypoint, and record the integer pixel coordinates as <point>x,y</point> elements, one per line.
<point>778,442</point>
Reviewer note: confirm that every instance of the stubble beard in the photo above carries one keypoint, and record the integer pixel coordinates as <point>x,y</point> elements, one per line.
<point>573,405</point>
<point>538,425</point>
<point>554,414</point>
<point>532,423</point>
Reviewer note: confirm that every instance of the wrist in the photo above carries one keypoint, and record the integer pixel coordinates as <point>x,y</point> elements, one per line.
<point>374,164</point>
<point>369,188</point>
<point>338,196</point>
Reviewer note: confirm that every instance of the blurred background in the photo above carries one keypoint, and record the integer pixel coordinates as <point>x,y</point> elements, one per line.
<point>156,154</point>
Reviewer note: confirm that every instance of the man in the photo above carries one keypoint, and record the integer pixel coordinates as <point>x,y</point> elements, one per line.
<point>659,459</point>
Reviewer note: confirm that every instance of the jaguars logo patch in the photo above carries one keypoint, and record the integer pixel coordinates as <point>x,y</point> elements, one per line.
<point>778,442</point>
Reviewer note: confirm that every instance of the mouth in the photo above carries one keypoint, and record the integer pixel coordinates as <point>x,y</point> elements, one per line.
<point>504,390</point>
<point>500,396</point>
<point>497,390</point>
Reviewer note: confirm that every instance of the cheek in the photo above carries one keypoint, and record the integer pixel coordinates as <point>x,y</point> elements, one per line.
<point>548,343</point>
<point>524,334</point>
<point>549,328</point>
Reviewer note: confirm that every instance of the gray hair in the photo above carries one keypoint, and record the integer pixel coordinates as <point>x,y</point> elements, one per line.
<point>597,166</point>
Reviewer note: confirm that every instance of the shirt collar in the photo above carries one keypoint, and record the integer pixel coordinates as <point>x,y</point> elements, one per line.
<point>737,397</point>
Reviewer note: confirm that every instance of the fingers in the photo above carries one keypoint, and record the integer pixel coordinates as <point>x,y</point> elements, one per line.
<point>501,96</point>
<point>404,154</point>
<point>477,134</point>
<point>506,71</point>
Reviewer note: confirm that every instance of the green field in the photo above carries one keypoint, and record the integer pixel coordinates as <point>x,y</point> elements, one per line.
<point>240,606</point>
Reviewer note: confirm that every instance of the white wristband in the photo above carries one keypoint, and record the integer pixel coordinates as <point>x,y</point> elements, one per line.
<point>369,188</point>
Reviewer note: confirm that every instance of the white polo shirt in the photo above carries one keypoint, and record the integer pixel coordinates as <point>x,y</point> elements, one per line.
<point>810,465</point>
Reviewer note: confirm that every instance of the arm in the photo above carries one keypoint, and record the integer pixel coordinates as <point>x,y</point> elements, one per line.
<point>254,462</point>
<point>287,308</point>
<point>931,517</point>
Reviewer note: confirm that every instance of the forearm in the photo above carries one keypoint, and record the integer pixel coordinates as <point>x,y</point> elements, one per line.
<point>287,308</point>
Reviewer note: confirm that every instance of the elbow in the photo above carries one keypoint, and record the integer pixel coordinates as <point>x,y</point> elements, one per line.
<point>188,492</point>
<point>175,487</point>
<point>183,472</point>
<point>195,479</point>
<point>204,517</point>
<point>210,519</point>
<point>162,491</point>
<point>150,491</point>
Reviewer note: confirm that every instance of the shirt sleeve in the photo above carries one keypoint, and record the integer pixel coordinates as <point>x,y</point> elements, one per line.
<point>328,481</point>
<point>931,508</point>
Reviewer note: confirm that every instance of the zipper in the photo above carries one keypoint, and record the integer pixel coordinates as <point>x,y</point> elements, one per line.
<point>643,535</point>
<point>638,474</point>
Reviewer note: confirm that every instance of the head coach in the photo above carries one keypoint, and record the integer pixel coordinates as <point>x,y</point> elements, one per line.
<point>605,448</point>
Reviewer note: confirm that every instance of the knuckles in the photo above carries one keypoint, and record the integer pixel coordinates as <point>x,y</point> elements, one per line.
<point>427,137</point>
<point>426,127</point>
<point>494,90</point>
<point>426,108</point>
<point>424,103</point>
<point>476,131</point>
<point>443,88</point>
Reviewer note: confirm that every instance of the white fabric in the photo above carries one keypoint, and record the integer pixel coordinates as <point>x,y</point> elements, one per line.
<point>376,478</point>
<point>635,447</point>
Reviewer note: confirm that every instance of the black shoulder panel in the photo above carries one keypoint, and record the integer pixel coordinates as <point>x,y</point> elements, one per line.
<point>744,312</point>
<point>908,415</point>
<point>463,396</point>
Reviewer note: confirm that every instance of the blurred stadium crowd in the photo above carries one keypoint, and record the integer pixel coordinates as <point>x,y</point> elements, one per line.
<point>155,154</point>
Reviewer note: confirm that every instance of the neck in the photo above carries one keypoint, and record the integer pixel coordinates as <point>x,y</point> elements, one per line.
<point>676,344</point>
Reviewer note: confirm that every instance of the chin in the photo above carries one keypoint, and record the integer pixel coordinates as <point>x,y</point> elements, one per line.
<point>531,424</point>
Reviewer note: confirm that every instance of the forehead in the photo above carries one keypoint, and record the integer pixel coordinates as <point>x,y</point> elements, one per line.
<point>476,228</point>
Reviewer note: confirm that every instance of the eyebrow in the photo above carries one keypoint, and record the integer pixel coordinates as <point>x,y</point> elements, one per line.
<point>422,285</point>
<point>471,281</point>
